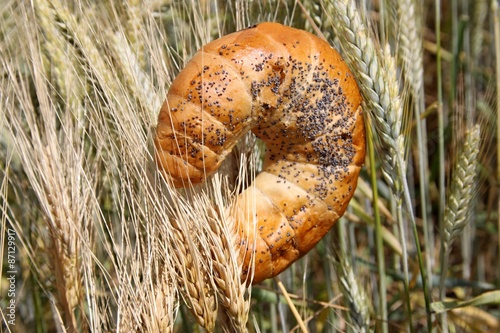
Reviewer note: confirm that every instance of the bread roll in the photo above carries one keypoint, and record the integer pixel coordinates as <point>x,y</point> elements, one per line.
<point>295,93</point>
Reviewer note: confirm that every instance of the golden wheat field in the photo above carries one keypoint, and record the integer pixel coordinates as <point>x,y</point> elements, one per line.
<point>104,230</point>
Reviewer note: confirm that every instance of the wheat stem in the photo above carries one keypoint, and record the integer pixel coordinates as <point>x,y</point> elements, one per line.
<point>376,74</point>
<point>378,234</point>
<point>411,51</point>
<point>496,24</point>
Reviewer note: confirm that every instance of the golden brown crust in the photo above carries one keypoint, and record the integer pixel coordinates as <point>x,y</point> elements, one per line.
<point>296,94</point>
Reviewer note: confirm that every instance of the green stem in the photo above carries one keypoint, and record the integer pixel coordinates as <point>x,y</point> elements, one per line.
<point>496,22</point>
<point>378,235</point>
<point>441,179</point>
<point>444,259</point>
<point>406,280</point>
<point>421,262</point>
<point>424,188</point>
<point>406,199</point>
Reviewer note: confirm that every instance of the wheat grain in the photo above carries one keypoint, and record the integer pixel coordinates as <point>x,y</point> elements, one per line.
<point>206,259</point>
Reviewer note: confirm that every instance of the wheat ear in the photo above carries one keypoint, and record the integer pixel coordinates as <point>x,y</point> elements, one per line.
<point>227,271</point>
<point>462,192</point>
<point>378,85</point>
<point>458,205</point>
<point>191,271</point>
<point>354,295</point>
<point>410,45</point>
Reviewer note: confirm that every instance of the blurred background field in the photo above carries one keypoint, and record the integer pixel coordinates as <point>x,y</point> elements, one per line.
<point>99,243</point>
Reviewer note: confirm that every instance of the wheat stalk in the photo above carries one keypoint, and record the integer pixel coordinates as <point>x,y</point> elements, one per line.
<point>63,172</point>
<point>56,173</point>
<point>147,296</point>
<point>410,50</point>
<point>133,28</point>
<point>376,74</point>
<point>200,294</point>
<point>152,307</point>
<point>190,244</point>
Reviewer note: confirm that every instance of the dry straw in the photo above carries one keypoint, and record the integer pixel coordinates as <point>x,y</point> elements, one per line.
<point>79,146</point>
<point>56,172</point>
